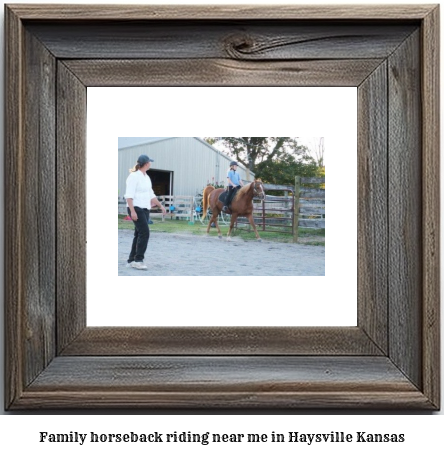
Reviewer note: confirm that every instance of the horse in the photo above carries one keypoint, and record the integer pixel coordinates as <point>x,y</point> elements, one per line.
<point>241,205</point>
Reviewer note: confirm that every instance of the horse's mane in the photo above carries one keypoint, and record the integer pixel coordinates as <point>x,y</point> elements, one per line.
<point>244,189</point>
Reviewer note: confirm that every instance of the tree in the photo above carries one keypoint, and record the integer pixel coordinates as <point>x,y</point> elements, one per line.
<point>283,170</point>
<point>254,151</point>
<point>317,151</point>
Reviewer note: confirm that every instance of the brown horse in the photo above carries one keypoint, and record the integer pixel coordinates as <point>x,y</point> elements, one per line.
<point>242,204</point>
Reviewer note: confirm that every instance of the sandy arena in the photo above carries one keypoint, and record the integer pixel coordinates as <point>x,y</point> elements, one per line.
<point>192,255</point>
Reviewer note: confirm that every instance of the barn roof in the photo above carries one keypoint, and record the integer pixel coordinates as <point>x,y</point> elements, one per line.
<point>152,140</point>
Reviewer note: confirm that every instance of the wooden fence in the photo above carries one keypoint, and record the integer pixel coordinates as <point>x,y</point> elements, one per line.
<point>122,206</point>
<point>180,207</point>
<point>311,202</point>
<point>301,205</point>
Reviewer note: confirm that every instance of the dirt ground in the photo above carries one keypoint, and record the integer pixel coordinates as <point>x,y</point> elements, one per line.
<point>192,255</point>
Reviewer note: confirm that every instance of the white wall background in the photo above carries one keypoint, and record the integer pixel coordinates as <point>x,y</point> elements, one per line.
<point>20,433</point>
<point>266,301</point>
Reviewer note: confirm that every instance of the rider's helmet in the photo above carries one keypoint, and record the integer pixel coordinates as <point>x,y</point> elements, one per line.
<point>233,163</point>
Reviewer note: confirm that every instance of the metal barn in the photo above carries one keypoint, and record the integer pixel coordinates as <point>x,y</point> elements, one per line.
<point>182,166</point>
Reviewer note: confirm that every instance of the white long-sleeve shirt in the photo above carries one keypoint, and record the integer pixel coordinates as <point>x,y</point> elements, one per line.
<point>140,189</point>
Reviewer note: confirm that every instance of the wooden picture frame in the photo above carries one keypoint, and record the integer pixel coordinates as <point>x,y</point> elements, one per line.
<point>390,360</point>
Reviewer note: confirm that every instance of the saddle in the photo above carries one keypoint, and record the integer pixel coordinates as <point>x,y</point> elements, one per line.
<point>223,196</point>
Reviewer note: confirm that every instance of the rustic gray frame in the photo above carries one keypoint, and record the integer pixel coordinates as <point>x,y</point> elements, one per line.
<point>390,360</point>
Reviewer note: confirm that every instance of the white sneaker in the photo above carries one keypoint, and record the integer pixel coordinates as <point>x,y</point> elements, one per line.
<point>138,265</point>
<point>129,265</point>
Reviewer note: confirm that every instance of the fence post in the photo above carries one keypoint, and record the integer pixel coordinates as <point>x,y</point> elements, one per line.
<point>297,190</point>
<point>263,215</point>
<point>191,222</point>
<point>163,202</point>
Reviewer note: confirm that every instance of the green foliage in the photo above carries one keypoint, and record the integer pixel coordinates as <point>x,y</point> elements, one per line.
<point>276,160</point>
<point>250,151</point>
<point>320,172</point>
<point>284,170</point>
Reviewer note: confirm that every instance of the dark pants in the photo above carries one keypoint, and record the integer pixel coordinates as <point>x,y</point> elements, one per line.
<point>141,234</point>
<point>231,191</point>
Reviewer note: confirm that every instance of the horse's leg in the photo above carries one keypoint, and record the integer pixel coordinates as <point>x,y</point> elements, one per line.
<point>214,220</point>
<point>251,220</point>
<point>218,229</point>
<point>216,215</point>
<point>232,222</point>
<point>210,222</point>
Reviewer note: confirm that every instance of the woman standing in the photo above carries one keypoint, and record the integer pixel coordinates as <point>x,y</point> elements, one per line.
<point>140,198</point>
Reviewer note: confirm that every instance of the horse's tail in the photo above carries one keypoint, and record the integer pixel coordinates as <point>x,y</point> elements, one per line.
<point>205,199</point>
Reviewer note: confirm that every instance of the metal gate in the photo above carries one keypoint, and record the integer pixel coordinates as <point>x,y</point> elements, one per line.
<point>274,213</point>
<point>278,213</point>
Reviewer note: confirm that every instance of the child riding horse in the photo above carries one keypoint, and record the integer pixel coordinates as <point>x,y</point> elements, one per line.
<point>234,183</point>
<point>241,206</point>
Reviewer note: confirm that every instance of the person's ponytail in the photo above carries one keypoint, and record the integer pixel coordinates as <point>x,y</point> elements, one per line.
<point>135,168</point>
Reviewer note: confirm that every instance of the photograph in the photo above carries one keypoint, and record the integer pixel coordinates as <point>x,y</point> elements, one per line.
<point>183,258</point>
<point>227,206</point>
<point>79,78</point>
